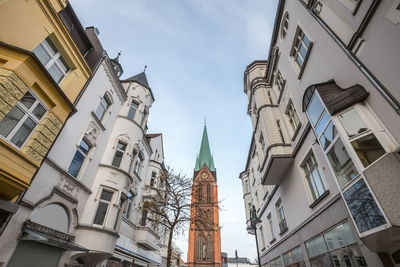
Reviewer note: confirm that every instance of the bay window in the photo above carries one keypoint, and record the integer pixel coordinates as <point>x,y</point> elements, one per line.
<point>349,146</point>
<point>22,119</point>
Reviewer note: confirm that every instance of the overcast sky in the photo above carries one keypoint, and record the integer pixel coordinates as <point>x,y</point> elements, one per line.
<point>196,52</point>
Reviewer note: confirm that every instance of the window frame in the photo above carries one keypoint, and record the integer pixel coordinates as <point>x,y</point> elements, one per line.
<point>280,214</point>
<point>129,205</point>
<point>82,153</point>
<point>105,108</point>
<point>121,151</point>
<point>271,228</point>
<point>295,50</point>
<point>53,59</point>
<point>28,114</point>
<point>313,186</point>
<point>132,108</point>
<point>108,202</point>
<point>284,22</point>
<point>138,163</point>
<point>292,116</point>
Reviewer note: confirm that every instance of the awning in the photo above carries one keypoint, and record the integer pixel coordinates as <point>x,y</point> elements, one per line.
<point>30,235</point>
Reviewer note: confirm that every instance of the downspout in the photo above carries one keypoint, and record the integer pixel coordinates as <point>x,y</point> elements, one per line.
<point>375,82</point>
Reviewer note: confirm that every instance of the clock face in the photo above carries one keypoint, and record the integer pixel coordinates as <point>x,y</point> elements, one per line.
<point>204,175</point>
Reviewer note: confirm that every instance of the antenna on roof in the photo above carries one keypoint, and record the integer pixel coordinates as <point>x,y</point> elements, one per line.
<point>145,67</point>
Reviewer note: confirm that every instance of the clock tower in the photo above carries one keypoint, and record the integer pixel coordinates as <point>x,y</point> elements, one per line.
<point>204,233</point>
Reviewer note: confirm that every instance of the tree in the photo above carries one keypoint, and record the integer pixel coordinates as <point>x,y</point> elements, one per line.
<point>171,206</point>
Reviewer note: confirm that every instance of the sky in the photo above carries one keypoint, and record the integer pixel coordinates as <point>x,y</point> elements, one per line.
<point>196,52</point>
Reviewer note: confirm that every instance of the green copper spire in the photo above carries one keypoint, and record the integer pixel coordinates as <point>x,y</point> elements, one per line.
<point>204,156</point>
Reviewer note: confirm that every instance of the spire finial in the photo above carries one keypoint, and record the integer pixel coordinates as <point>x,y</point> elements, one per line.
<point>117,58</point>
<point>205,121</point>
<point>145,67</point>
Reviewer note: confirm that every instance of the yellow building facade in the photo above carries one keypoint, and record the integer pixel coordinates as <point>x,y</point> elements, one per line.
<point>42,72</point>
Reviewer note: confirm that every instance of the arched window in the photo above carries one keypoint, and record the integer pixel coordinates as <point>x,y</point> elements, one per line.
<point>53,216</point>
<point>200,193</point>
<point>208,193</point>
<point>208,250</point>
<point>199,248</point>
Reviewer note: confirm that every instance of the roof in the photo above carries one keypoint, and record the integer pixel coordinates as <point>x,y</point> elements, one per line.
<point>140,78</point>
<point>204,156</point>
<point>334,97</point>
<point>153,135</point>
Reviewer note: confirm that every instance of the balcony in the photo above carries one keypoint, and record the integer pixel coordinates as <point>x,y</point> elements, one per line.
<point>276,163</point>
<point>147,238</point>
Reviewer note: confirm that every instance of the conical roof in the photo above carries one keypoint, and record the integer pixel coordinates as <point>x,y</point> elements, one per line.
<point>140,78</point>
<point>204,156</point>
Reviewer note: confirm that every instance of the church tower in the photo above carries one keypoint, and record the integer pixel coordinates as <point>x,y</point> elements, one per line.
<point>204,233</point>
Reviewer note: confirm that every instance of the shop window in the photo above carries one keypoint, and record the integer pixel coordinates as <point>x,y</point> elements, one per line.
<point>277,262</point>
<point>52,59</point>
<point>294,257</point>
<point>22,120</point>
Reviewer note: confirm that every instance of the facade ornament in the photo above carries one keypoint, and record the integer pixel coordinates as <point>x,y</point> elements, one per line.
<point>92,133</point>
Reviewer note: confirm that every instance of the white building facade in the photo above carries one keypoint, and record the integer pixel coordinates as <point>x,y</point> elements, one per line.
<point>322,169</point>
<point>85,205</point>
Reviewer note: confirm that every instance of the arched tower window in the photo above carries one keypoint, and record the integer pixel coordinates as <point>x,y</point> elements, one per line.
<point>208,193</point>
<point>200,193</point>
<point>208,250</point>
<point>199,248</point>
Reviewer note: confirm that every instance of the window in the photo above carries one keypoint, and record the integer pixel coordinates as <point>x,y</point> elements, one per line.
<point>134,153</point>
<point>281,216</point>
<point>363,208</point>
<point>208,193</point>
<point>199,193</point>
<point>271,228</point>
<point>144,218</point>
<point>104,203</point>
<point>138,163</point>
<point>285,25</point>
<point>143,117</point>
<point>199,248</point>
<point>279,81</point>
<point>247,186</point>
<point>314,178</point>
<point>292,115</point>
<point>79,157</point>
<point>294,257</point>
<point>208,250</point>
<point>102,108</point>
<point>129,204</point>
<point>300,48</point>
<point>340,236</point>
<point>262,237</point>
<point>23,118</point>
<point>262,143</point>
<point>350,4</point>
<point>153,178</point>
<point>278,123</point>
<point>270,98</point>
<point>119,153</point>
<point>363,141</point>
<point>52,60</point>
<point>277,262</point>
<point>132,110</point>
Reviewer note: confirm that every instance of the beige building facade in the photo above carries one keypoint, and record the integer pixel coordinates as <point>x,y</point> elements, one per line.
<point>322,169</point>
